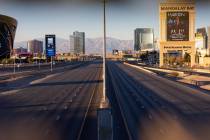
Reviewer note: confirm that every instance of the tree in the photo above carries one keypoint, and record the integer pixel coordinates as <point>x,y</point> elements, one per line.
<point>187,57</point>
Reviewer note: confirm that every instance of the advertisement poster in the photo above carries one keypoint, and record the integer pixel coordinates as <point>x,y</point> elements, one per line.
<point>177,26</point>
<point>50,45</point>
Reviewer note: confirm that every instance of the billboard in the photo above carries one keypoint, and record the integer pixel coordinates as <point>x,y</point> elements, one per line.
<point>50,45</point>
<point>177,26</point>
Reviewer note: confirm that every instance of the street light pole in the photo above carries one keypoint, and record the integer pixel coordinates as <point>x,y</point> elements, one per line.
<point>104,50</point>
<point>14,65</point>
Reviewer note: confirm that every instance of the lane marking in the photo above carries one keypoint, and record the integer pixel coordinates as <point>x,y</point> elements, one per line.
<point>43,79</point>
<point>10,92</point>
<point>140,68</point>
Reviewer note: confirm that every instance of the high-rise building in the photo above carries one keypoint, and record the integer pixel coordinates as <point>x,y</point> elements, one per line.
<point>35,46</point>
<point>77,42</point>
<point>203,33</point>
<point>8,27</point>
<point>208,34</point>
<point>177,31</point>
<point>72,43</point>
<point>19,50</point>
<point>144,39</point>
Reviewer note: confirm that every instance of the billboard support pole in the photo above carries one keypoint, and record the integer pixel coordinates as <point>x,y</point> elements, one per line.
<point>39,64</point>
<point>51,63</point>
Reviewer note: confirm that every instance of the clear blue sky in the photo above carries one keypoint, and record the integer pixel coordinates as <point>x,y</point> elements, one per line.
<point>36,19</point>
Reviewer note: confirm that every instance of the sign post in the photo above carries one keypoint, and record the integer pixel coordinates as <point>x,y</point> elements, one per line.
<point>51,64</point>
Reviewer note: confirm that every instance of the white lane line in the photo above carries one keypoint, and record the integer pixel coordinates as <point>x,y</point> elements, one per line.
<point>43,79</point>
<point>9,92</point>
<point>140,68</point>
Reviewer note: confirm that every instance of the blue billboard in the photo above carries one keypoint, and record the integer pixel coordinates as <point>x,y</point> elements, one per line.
<point>50,45</point>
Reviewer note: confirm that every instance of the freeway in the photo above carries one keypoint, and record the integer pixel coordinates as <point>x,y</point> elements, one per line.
<point>21,68</point>
<point>155,108</point>
<point>52,108</point>
<point>21,79</point>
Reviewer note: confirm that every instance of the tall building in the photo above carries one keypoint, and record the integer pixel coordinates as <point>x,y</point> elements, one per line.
<point>144,39</point>
<point>77,42</point>
<point>208,34</point>
<point>72,43</point>
<point>35,47</point>
<point>177,31</point>
<point>203,33</point>
<point>8,27</point>
<point>19,50</point>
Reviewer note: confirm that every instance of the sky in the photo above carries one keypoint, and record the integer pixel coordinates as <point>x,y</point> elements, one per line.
<point>40,17</point>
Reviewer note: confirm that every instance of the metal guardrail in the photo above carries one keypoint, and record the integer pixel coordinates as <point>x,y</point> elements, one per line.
<point>32,72</point>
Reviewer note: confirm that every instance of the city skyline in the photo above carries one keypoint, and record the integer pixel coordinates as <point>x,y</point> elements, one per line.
<point>41,19</point>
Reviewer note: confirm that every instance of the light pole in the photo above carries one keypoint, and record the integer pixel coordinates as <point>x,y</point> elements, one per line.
<point>104,50</point>
<point>39,63</point>
<point>14,65</point>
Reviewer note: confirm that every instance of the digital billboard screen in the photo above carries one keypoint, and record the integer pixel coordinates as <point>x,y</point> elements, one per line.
<point>50,45</point>
<point>177,26</point>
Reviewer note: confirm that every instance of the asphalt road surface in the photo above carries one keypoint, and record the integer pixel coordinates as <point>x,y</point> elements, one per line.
<point>55,107</point>
<point>155,108</point>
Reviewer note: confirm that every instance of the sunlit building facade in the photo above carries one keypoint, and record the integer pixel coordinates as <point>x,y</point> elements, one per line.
<point>144,39</point>
<point>177,31</point>
<point>203,33</point>
<point>35,47</point>
<point>208,34</point>
<point>19,50</point>
<point>8,27</point>
<point>77,43</point>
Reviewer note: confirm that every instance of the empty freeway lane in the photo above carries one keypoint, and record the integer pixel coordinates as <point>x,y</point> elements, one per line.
<point>51,108</point>
<point>155,108</point>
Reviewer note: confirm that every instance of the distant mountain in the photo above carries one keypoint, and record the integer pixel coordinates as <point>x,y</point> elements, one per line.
<point>93,45</point>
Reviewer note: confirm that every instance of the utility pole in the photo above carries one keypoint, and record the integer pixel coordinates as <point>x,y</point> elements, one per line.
<point>104,50</point>
<point>14,65</point>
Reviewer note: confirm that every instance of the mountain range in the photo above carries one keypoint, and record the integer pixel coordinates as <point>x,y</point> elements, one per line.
<point>92,45</point>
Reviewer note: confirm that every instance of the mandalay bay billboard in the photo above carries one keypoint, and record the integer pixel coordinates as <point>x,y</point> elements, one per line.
<point>177,26</point>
